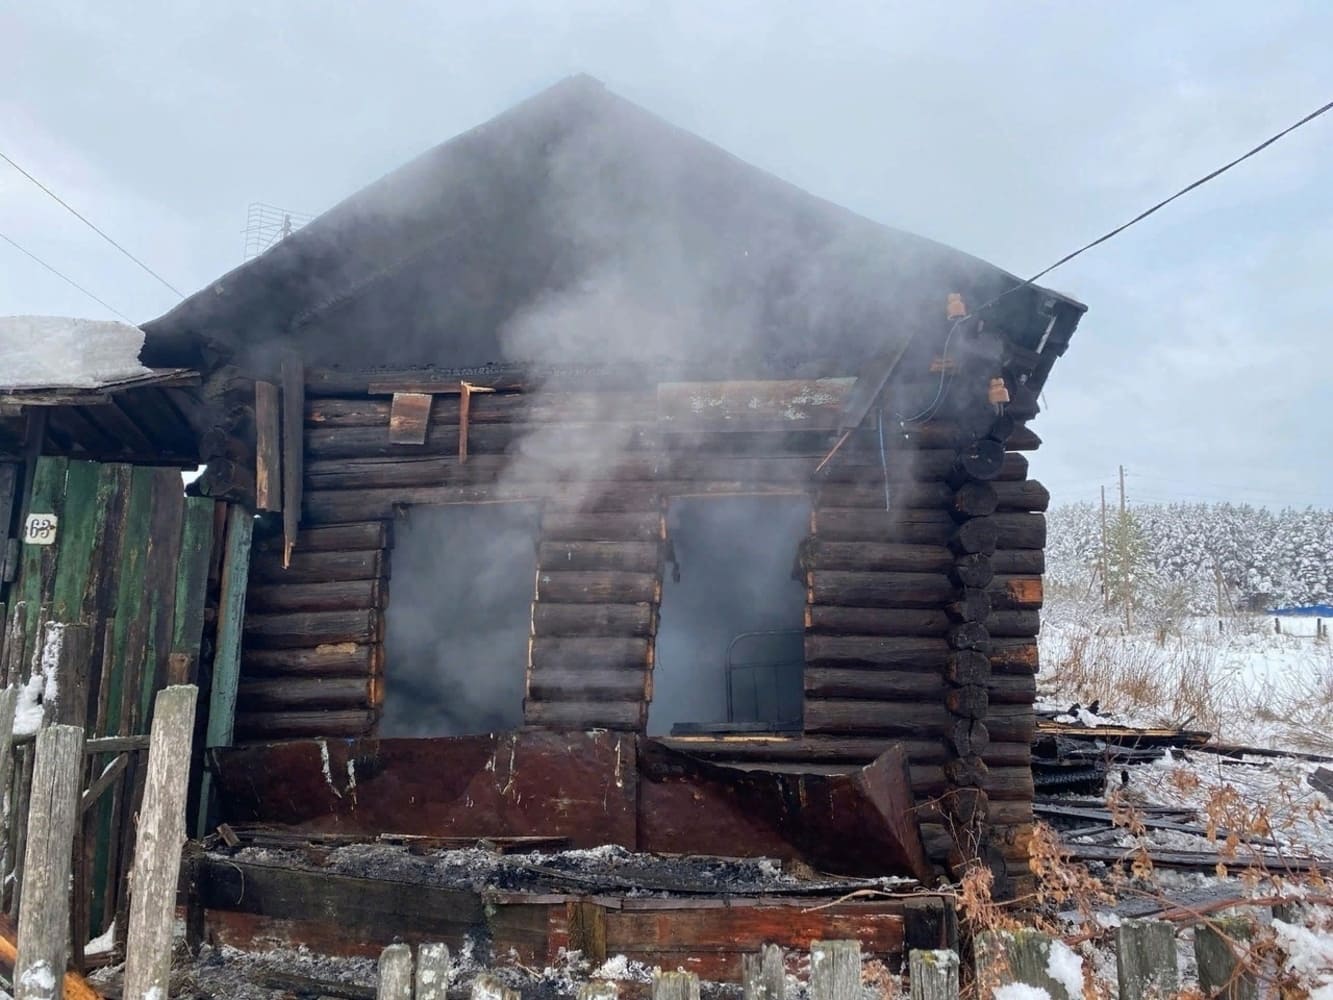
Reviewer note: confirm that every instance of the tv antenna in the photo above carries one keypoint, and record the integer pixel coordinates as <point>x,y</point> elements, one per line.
<point>267,225</point>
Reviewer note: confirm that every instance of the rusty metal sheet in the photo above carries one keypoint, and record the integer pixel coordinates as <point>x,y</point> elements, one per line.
<point>530,783</point>
<point>858,823</point>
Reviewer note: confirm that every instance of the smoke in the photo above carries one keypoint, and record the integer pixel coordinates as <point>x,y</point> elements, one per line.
<point>735,557</point>
<point>457,622</point>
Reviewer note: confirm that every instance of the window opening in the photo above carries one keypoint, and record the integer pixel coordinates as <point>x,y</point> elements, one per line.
<point>730,653</point>
<point>458,619</point>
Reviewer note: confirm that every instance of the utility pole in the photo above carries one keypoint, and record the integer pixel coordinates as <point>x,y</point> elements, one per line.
<point>1127,594</point>
<point>1106,593</point>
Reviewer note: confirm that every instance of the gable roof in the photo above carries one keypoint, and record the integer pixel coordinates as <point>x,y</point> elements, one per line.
<point>577,227</point>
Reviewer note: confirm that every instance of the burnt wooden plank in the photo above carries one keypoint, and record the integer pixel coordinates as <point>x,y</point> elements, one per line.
<point>293,450</point>
<point>635,557</point>
<point>303,693</point>
<point>319,567</point>
<point>268,447</point>
<point>551,619</point>
<point>295,629</point>
<point>335,538</point>
<point>333,659</point>
<point>573,653</point>
<point>879,590</point>
<point>290,724</point>
<point>898,652</point>
<point>604,587</point>
<point>409,417</point>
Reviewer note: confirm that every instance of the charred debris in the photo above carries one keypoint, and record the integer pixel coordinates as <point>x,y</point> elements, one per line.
<point>574,485</point>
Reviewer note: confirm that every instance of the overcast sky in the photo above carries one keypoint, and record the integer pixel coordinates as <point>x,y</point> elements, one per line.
<point>1014,131</point>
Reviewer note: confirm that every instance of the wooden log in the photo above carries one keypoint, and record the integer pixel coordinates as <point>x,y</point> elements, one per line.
<point>576,653</point>
<point>1011,723</point>
<point>633,557</point>
<point>835,970</point>
<point>868,556</point>
<point>300,693</point>
<point>1014,624</point>
<point>157,849</point>
<point>333,538</point>
<point>969,635</point>
<point>340,506</point>
<point>764,976</point>
<point>1025,495</point>
<point>581,715</point>
<point>865,717</point>
<point>1020,530</point>
<point>875,685</point>
<point>878,590</point>
<point>975,570</point>
<point>1013,689</point>
<point>967,667</point>
<point>53,812</point>
<point>435,970</point>
<point>923,527</point>
<point>910,653</point>
<point>969,701</point>
<point>601,587</point>
<point>1019,562</point>
<point>875,621</point>
<point>739,405</point>
<point>340,596</point>
<point>983,460</point>
<point>296,629</point>
<point>639,620</point>
<point>933,975</point>
<point>978,535</point>
<point>1024,956</point>
<point>676,986</point>
<point>1016,593</point>
<point>1221,949</point>
<point>442,439</point>
<point>1146,959</point>
<point>394,973</point>
<point>289,725</point>
<point>1014,655</point>
<point>969,738</point>
<point>644,527</point>
<point>535,407</point>
<point>268,454</point>
<point>332,659</point>
<point>971,604</point>
<point>319,567</point>
<point>65,660</point>
<point>974,499</point>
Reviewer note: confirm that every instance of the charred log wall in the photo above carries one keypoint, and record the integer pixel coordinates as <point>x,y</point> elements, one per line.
<point>921,618</point>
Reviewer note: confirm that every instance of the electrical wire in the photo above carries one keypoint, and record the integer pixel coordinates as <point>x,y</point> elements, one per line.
<point>82,218</point>
<point>65,277</point>
<point>1158,207</point>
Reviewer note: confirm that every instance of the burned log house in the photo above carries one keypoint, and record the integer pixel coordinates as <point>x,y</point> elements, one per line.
<point>612,491</point>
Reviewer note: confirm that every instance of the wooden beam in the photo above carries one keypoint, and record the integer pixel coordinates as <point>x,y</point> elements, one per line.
<point>157,853</point>
<point>293,451</point>
<point>268,448</point>
<point>466,389</point>
<point>53,811</point>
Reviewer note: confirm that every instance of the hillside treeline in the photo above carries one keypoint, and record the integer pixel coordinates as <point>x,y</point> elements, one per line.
<point>1196,556</point>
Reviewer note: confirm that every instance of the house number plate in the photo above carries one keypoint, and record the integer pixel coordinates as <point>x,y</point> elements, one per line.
<point>40,529</point>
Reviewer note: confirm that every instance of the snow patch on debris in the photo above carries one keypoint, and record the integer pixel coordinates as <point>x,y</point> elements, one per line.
<point>1065,968</point>
<point>60,352</point>
<point>104,942</point>
<point>1021,991</point>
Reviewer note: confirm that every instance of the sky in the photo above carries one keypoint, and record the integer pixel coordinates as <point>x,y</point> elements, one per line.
<point>1015,131</point>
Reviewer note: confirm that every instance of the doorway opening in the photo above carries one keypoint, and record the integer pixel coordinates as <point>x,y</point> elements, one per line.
<point>458,618</point>
<point>730,653</point>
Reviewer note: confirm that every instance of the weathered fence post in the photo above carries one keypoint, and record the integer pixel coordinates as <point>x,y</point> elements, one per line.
<point>675,986</point>
<point>395,973</point>
<point>43,931</point>
<point>835,970</point>
<point>489,987</point>
<point>764,976</point>
<point>434,968</point>
<point>933,975</point>
<point>157,849</point>
<point>1223,972</point>
<point>1023,956</point>
<point>1145,953</point>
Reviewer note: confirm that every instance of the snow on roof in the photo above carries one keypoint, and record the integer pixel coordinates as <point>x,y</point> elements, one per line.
<point>59,352</point>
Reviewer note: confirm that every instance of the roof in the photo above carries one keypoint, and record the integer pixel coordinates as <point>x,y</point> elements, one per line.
<point>578,226</point>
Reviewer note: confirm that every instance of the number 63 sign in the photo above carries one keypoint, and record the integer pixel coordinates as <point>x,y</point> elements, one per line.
<point>40,529</point>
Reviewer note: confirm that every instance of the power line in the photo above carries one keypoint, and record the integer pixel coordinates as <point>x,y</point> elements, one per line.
<point>65,277</point>
<point>1158,207</point>
<point>82,218</point>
